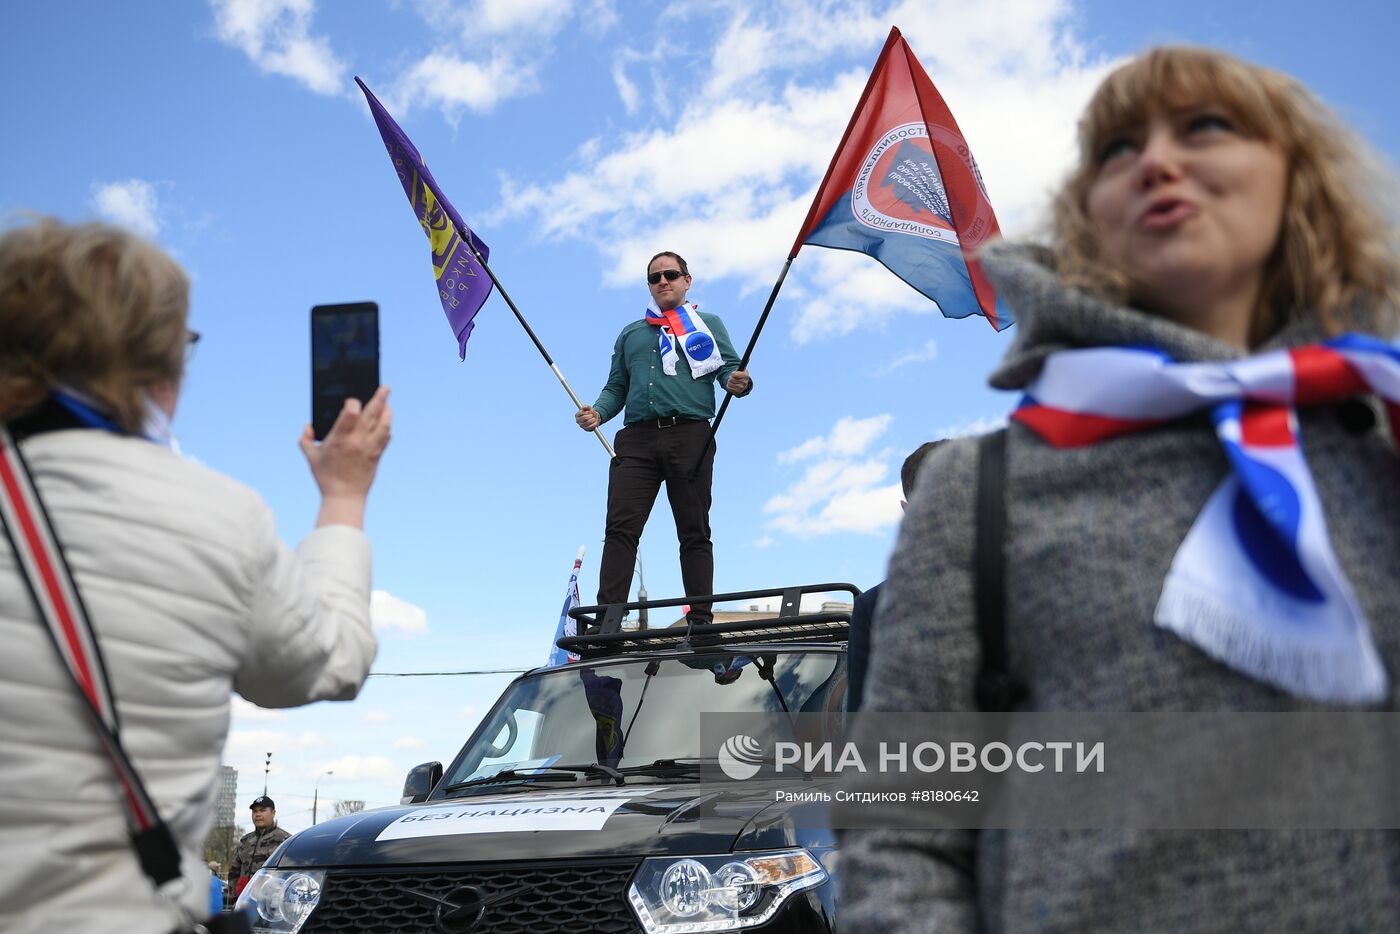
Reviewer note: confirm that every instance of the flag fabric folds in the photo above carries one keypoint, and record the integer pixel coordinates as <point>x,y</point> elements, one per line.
<point>605,703</point>
<point>567,625</point>
<point>904,188</point>
<point>463,285</point>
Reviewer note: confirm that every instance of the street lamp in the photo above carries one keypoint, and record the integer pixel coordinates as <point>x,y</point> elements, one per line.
<point>267,767</point>
<point>316,794</point>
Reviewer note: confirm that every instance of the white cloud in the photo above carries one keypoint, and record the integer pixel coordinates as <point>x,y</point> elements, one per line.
<point>247,744</point>
<point>598,16</point>
<point>761,118</point>
<point>408,744</point>
<point>452,82</point>
<point>840,489</point>
<point>849,436</point>
<point>920,355</point>
<point>500,17</point>
<point>860,510</point>
<point>132,203</point>
<point>626,90</point>
<point>244,711</point>
<point>363,769</point>
<point>762,38</point>
<point>845,485</point>
<point>978,426</point>
<point>517,36</point>
<point>387,611</point>
<point>276,36</point>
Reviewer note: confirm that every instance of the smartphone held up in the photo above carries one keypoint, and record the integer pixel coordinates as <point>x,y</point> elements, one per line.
<point>344,359</point>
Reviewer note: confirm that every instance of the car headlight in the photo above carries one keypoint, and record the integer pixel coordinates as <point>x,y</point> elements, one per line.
<point>718,893</point>
<point>280,900</point>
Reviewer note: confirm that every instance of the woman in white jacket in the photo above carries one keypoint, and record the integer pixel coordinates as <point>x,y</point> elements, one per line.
<point>188,588</point>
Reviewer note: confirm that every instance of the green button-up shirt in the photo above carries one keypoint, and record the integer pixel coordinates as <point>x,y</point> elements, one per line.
<point>638,384</point>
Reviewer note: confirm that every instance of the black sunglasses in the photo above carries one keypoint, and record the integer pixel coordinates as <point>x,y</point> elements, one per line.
<point>671,276</point>
<point>191,340</point>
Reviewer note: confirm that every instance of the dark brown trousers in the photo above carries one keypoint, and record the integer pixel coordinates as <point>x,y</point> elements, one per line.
<point>648,456</point>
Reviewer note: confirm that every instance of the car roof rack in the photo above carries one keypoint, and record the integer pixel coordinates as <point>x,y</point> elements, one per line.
<point>601,633</point>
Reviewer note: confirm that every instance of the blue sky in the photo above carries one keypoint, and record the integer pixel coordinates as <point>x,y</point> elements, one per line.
<point>577,138</point>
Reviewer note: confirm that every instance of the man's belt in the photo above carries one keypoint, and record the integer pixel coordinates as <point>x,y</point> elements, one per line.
<point>670,421</point>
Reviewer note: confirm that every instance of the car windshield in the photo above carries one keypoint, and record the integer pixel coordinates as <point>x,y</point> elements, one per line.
<point>638,713</point>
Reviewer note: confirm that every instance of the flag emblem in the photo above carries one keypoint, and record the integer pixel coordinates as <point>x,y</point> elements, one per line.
<point>899,187</point>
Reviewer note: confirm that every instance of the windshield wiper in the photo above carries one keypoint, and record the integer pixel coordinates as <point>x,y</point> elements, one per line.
<point>690,769</point>
<point>544,773</point>
<point>688,764</point>
<point>594,768</point>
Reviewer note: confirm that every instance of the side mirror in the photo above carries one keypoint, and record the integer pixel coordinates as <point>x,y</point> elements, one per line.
<point>420,782</point>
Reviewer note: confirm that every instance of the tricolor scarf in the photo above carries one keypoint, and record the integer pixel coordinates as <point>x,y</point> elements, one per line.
<point>1255,582</point>
<point>683,325</point>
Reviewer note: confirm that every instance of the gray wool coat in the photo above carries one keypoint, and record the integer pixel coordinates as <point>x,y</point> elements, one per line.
<point>1091,533</point>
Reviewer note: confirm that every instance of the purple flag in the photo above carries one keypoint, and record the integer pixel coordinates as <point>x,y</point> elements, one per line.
<point>463,285</point>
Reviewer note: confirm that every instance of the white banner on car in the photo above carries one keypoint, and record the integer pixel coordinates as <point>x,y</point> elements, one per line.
<point>564,810</point>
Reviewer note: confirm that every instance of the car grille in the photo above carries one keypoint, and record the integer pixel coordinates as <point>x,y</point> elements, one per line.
<point>557,897</point>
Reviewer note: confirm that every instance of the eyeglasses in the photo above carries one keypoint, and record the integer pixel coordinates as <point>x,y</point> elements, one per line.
<point>191,341</point>
<point>671,276</point>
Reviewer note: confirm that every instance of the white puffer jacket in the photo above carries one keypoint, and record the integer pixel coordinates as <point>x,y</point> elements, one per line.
<point>192,596</point>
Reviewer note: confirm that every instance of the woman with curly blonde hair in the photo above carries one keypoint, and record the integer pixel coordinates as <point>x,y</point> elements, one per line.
<point>1335,244</point>
<point>1201,509</point>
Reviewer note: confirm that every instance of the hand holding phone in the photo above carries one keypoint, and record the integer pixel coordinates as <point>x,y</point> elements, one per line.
<point>350,412</point>
<point>345,463</point>
<point>344,360</point>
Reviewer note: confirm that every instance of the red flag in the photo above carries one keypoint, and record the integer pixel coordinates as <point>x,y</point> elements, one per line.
<point>904,188</point>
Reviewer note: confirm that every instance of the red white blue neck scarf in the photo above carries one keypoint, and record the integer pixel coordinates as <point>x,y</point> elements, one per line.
<point>1255,582</point>
<point>682,326</point>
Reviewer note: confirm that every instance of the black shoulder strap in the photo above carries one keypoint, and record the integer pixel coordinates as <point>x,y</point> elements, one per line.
<point>996,690</point>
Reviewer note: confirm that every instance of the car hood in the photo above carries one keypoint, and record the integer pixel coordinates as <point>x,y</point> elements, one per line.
<point>546,822</point>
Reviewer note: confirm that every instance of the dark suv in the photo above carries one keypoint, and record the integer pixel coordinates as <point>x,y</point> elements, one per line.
<point>585,800</point>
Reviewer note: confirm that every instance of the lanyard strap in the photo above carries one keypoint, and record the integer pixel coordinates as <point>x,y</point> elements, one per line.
<point>55,594</point>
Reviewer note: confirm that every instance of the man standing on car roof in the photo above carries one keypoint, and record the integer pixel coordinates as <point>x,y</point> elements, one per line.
<point>255,847</point>
<point>664,368</point>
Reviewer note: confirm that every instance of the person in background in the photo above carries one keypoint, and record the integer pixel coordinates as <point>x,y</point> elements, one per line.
<point>190,592</point>
<point>664,368</point>
<point>257,845</point>
<point>1217,212</point>
<point>863,610</point>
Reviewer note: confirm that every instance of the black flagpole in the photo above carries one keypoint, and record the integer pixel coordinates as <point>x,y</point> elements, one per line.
<point>743,364</point>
